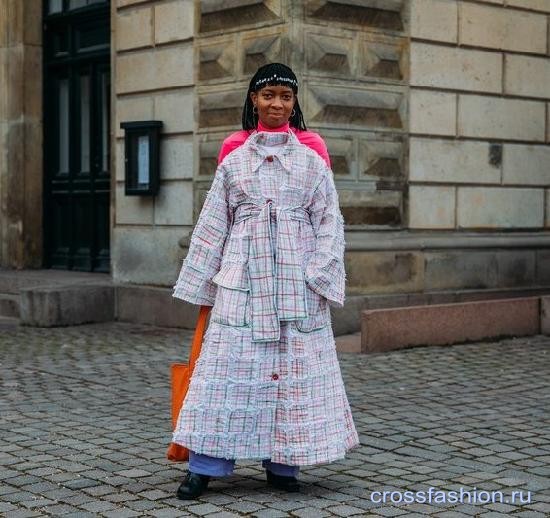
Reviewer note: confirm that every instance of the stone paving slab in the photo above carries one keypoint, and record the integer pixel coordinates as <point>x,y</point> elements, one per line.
<point>84,426</point>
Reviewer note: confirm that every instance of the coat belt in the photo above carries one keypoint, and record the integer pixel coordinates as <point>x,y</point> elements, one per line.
<point>277,286</point>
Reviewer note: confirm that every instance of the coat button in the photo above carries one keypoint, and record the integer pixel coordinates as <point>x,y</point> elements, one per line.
<point>269,158</point>
<point>274,376</point>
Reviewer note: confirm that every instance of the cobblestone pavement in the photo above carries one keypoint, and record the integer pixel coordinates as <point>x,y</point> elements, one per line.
<point>84,426</point>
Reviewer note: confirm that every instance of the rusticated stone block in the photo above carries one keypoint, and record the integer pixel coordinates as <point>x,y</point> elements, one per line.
<point>432,112</point>
<point>385,272</point>
<point>139,245</point>
<point>221,108</point>
<point>441,324</point>
<point>174,20</point>
<point>133,210</point>
<point>162,67</point>
<point>504,29</point>
<point>451,161</point>
<point>382,57</point>
<point>216,15</point>
<point>363,207</point>
<point>329,54</point>
<point>175,109</point>
<point>361,107</point>
<point>518,68</point>
<point>381,161</point>
<point>537,5</point>
<point>434,20</point>
<point>431,207</point>
<point>450,67</point>
<point>526,164</point>
<point>260,49</point>
<point>132,108</point>
<point>217,59</point>
<point>497,117</point>
<point>133,28</point>
<point>500,207</point>
<point>516,268</point>
<point>342,156</point>
<point>176,157</point>
<point>382,14</point>
<point>479,269</point>
<point>208,154</point>
<point>172,203</point>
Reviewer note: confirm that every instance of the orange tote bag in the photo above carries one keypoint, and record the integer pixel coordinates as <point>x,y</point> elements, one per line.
<point>181,376</point>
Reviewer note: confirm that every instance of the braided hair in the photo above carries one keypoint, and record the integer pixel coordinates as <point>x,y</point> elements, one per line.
<point>272,74</point>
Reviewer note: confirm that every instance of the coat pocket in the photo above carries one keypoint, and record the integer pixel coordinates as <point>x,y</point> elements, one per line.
<point>318,312</point>
<point>232,303</point>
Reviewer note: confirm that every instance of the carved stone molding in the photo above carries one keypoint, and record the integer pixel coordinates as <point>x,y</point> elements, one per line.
<point>329,54</point>
<point>380,14</point>
<point>382,58</point>
<point>369,207</point>
<point>221,108</point>
<point>343,157</point>
<point>259,49</point>
<point>367,108</point>
<point>217,60</point>
<point>382,162</point>
<point>218,15</point>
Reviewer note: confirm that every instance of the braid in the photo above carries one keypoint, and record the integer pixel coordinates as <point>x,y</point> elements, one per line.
<point>273,74</point>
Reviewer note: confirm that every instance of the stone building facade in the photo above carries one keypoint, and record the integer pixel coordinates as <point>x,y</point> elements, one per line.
<point>436,114</point>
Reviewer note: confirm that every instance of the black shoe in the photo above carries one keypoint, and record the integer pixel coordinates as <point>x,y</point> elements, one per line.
<point>289,484</point>
<point>192,486</point>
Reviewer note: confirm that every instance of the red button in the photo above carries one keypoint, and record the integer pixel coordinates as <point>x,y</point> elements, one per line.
<point>269,158</point>
<point>274,376</point>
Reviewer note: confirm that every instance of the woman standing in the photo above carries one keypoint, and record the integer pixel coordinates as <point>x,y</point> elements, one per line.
<point>267,253</point>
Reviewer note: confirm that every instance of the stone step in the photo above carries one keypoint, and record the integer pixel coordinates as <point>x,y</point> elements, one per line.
<point>9,305</point>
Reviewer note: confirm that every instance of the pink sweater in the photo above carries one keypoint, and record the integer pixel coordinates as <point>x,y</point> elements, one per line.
<point>308,138</point>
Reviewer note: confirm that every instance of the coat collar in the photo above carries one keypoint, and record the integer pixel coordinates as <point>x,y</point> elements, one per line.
<point>286,139</point>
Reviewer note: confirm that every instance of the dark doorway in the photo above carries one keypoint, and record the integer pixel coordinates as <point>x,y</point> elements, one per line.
<point>77,135</point>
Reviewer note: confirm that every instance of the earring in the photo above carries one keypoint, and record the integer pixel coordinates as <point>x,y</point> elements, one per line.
<point>293,112</point>
<point>255,110</point>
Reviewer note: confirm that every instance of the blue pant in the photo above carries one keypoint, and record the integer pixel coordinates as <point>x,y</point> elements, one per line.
<point>216,467</point>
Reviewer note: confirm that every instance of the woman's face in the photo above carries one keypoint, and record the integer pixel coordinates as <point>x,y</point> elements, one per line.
<point>274,104</point>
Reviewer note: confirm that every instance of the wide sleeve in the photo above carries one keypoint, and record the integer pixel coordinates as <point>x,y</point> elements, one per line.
<point>203,260</point>
<point>325,272</point>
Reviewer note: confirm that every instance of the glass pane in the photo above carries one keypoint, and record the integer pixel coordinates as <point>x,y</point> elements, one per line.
<point>90,2</point>
<point>75,4</point>
<point>143,159</point>
<point>55,6</point>
<point>85,123</point>
<point>63,126</point>
<point>105,122</point>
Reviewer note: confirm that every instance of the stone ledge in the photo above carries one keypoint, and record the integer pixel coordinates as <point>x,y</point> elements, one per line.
<point>445,324</point>
<point>49,306</point>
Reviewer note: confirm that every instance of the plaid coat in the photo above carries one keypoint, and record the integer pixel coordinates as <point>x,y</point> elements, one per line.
<point>267,252</point>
